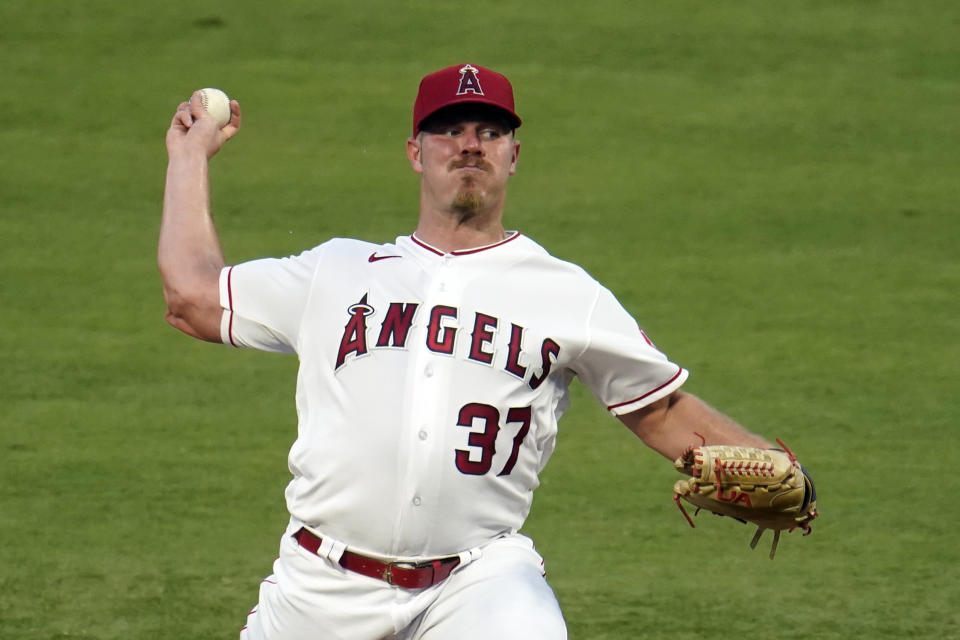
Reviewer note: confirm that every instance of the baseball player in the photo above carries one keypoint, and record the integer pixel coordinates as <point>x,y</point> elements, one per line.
<point>433,371</point>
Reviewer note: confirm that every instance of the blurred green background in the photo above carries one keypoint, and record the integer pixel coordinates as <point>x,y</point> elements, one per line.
<point>770,187</point>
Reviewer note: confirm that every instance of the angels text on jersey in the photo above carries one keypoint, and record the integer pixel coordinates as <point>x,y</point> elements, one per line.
<point>442,335</point>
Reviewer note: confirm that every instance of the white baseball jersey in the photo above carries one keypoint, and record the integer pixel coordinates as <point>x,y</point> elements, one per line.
<point>430,383</point>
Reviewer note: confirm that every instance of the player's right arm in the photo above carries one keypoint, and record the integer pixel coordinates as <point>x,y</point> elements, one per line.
<point>188,251</point>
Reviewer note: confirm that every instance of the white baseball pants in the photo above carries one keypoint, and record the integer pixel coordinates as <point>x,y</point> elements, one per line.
<point>501,595</point>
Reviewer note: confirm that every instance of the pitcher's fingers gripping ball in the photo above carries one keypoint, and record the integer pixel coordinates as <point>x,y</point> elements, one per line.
<point>217,105</point>
<point>765,487</point>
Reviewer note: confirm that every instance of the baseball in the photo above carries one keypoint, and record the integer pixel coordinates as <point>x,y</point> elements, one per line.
<point>217,105</point>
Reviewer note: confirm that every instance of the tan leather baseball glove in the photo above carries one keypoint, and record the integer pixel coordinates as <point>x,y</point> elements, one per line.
<point>766,487</point>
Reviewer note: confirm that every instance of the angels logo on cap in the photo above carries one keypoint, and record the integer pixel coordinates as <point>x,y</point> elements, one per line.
<point>461,84</point>
<point>468,81</point>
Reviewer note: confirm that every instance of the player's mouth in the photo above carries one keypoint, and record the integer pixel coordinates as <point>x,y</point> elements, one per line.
<point>472,166</point>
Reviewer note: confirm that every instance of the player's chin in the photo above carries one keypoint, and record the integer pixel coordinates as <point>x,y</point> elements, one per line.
<point>468,201</point>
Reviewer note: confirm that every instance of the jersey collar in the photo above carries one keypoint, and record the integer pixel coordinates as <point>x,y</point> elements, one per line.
<point>511,236</point>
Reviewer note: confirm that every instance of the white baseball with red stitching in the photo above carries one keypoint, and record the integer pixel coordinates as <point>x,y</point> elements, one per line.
<point>217,104</point>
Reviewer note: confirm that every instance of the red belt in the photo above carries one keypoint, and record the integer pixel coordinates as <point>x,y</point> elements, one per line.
<point>401,574</point>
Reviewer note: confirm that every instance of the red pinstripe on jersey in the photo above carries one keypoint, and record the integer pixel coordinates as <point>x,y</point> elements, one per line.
<point>464,252</point>
<point>649,393</point>
<point>230,302</point>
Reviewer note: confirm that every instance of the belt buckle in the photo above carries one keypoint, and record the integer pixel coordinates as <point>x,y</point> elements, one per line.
<point>387,575</point>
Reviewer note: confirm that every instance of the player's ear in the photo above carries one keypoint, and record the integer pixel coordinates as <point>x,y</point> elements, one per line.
<point>516,155</point>
<point>413,154</point>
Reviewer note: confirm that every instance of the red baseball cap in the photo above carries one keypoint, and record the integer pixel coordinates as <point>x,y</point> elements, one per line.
<point>463,83</point>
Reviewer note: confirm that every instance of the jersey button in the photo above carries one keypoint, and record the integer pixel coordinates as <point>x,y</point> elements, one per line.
<point>428,371</point>
<point>422,435</point>
<point>417,501</point>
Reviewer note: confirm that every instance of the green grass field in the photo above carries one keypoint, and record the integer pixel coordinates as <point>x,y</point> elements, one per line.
<point>770,187</point>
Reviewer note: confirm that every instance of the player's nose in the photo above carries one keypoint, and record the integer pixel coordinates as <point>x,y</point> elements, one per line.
<point>471,141</point>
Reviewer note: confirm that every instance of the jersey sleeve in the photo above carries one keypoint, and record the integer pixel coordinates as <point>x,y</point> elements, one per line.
<point>620,365</point>
<point>264,301</point>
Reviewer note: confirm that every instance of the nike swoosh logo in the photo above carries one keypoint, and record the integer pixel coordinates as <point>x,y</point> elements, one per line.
<point>374,257</point>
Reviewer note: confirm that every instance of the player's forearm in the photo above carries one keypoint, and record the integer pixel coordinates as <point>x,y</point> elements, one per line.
<point>188,252</point>
<point>693,414</point>
<point>671,425</point>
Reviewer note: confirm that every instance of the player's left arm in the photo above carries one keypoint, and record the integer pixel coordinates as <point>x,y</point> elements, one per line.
<point>673,424</point>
